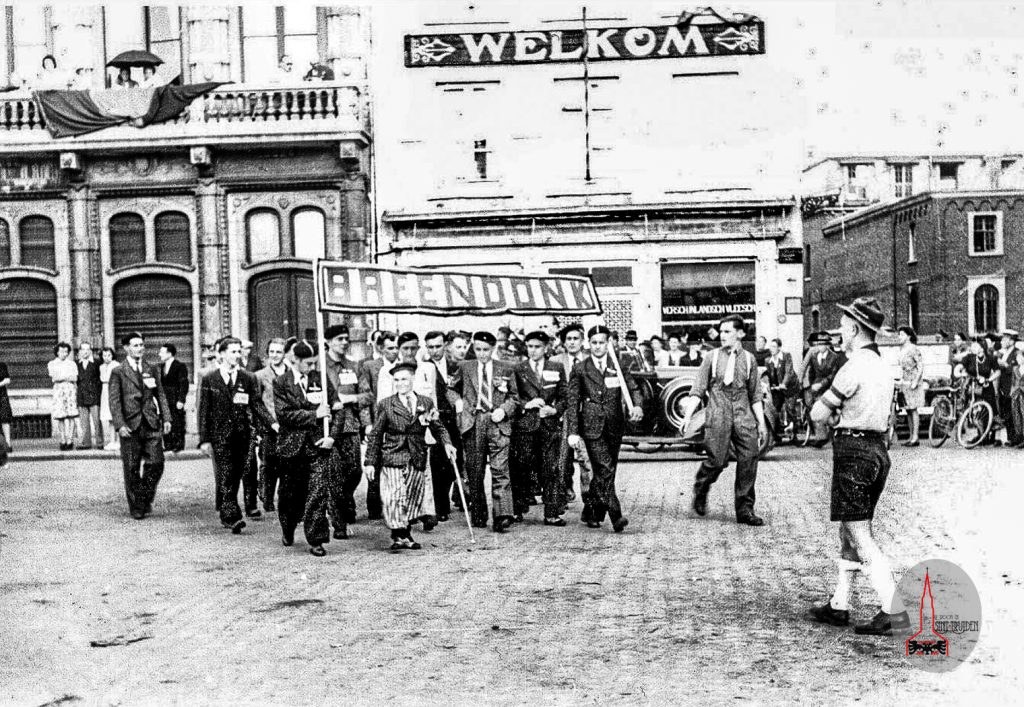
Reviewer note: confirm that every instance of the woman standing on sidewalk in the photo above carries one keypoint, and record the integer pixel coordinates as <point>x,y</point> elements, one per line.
<point>912,384</point>
<point>108,365</point>
<point>64,374</point>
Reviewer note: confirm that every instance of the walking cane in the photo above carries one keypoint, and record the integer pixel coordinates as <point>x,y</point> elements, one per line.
<point>462,495</point>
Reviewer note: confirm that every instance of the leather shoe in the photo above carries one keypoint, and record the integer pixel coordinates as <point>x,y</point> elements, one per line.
<point>915,443</point>
<point>882,624</point>
<point>397,546</point>
<point>751,519</point>
<point>236,527</point>
<point>443,518</point>
<point>825,614</point>
<point>287,541</point>
<point>412,544</point>
<point>619,525</point>
<point>341,534</point>
<point>429,523</point>
<point>317,551</point>
<point>375,516</point>
<point>593,524</point>
<point>254,515</point>
<point>700,503</point>
<point>269,507</point>
<point>137,515</point>
<point>501,524</point>
<point>518,518</point>
<point>559,522</point>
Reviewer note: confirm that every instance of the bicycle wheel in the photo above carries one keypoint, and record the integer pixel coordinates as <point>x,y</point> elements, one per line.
<point>942,422</point>
<point>808,429</point>
<point>974,424</point>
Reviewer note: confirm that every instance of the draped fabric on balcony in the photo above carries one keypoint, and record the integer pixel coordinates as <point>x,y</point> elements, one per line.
<point>71,113</point>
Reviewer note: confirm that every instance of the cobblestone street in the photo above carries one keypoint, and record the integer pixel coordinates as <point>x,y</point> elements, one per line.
<point>677,610</point>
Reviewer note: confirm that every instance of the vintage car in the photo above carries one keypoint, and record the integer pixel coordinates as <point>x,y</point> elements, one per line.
<point>662,392</point>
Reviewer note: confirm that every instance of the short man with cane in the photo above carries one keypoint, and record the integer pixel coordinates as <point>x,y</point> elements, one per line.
<point>735,414</point>
<point>857,406</point>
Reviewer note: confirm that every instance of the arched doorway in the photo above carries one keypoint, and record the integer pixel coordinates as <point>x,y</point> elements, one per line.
<point>160,308</point>
<point>28,320</point>
<point>281,304</point>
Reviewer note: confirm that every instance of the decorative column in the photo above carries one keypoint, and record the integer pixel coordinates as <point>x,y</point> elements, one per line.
<point>84,253</point>
<point>212,248</point>
<point>353,217</point>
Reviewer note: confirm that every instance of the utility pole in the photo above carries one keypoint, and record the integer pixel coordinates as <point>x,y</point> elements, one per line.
<point>586,96</point>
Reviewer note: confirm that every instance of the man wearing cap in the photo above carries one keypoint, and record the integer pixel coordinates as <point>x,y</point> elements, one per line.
<point>371,392</point>
<point>857,405</point>
<point>819,368</point>
<point>1008,359</point>
<point>631,357</point>
<point>537,431</point>
<point>488,399</point>
<point>735,414</point>
<point>571,337</point>
<point>595,414</point>
<point>345,470</point>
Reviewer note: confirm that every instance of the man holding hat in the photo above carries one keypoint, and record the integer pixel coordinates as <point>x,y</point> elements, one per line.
<point>345,471</point>
<point>857,405</point>
<point>537,432</point>
<point>819,368</point>
<point>488,399</point>
<point>735,415</point>
<point>595,414</point>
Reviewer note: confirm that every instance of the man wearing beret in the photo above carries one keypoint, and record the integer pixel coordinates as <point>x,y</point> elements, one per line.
<point>537,431</point>
<point>488,399</point>
<point>345,470</point>
<point>819,368</point>
<point>595,414</point>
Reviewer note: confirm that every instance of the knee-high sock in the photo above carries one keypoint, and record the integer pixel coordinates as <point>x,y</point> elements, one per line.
<point>844,584</point>
<point>880,574</point>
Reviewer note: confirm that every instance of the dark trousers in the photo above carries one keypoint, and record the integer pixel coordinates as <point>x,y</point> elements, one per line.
<point>175,439</point>
<point>601,497</point>
<point>442,476</point>
<point>718,434</point>
<point>484,444</point>
<point>534,461</point>
<point>269,470</point>
<point>1006,412</point>
<point>343,476</point>
<point>250,481</point>
<point>232,460</point>
<point>218,491</point>
<point>303,496</point>
<point>142,447</point>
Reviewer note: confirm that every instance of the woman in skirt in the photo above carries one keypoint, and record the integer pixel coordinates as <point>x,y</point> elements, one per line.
<point>108,365</point>
<point>397,446</point>
<point>64,374</point>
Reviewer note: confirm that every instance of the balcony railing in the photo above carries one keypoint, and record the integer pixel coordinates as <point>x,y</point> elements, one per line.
<point>233,110</point>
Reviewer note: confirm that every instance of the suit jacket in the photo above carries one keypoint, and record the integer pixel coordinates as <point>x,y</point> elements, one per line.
<point>446,397</point>
<point>216,408</point>
<point>399,438</point>
<point>504,393</point>
<point>369,370</point>
<point>815,372</point>
<point>551,387</point>
<point>343,376</point>
<point>300,429</point>
<point>135,397</point>
<point>594,409</point>
<point>783,374</point>
<point>89,386</point>
<point>175,382</point>
<point>566,361</point>
<point>265,376</point>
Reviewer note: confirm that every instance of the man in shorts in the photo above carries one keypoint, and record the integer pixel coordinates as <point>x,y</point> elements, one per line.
<point>857,406</point>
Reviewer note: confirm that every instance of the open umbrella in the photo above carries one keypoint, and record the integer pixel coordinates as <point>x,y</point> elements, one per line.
<point>135,57</point>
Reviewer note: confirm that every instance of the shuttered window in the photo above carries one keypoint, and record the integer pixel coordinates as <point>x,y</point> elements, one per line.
<point>37,242</point>
<point>173,241</point>
<point>127,240</point>
<point>5,244</point>
<point>28,320</point>
<point>160,308</point>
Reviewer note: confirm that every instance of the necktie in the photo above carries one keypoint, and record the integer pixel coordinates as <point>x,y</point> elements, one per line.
<point>600,365</point>
<point>485,387</point>
<point>536,369</point>
<point>231,384</point>
<point>410,404</point>
<point>302,383</point>
<point>730,368</point>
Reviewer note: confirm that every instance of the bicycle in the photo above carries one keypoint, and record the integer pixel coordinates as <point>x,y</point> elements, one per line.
<point>963,412</point>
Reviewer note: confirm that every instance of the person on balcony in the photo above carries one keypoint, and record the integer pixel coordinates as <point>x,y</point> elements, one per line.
<point>284,73</point>
<point>149,77</point>
<point>124,78</point>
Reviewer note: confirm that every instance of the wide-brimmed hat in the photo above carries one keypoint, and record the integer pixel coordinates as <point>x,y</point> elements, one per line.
<point>866,312</point>
<point>1012,333</point>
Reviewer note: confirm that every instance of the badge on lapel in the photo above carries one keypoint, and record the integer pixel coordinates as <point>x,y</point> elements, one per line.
<point>501,384</point>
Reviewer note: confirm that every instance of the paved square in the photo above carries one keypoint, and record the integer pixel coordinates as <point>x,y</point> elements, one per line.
<point>676,610</point>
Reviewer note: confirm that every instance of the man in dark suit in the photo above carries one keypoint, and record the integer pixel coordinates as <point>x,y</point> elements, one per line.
<point>270,465</point>
<point>230,405</point>
<point>782,381</point>
<point>441,469</point>
<point>174,378</point>
<point>571,337</point>
<point>595,413</point>
<point>345,471</point>
<point>488,399</point>
<point>141,416</point>
<point>88,393</point>
<point>301,406</point>
<point>632,357</point>
<point>370,374</point>
<point>820,366</point>
<point>537,431</point>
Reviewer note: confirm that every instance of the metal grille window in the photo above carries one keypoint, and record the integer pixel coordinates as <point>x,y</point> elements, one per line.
<point>903,179</point>
<point>986,238</point>
<point>127,240</point>
<point>986,308</point>
<point>5,244</point>
<point>37,242</point>
<point>160,308</point>
<point>28,320</point>
<point>173,240</point>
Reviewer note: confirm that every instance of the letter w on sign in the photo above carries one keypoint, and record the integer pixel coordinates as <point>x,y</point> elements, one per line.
<point>361,287</point>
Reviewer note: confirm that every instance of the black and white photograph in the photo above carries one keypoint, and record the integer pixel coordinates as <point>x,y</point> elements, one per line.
<point>480,352</point>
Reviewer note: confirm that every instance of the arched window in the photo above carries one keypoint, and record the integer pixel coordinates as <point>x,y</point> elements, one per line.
<point>127,240</point>
<point>173,240</point>
<point>28,320</point>
<point>37,242</point>
<point>986,308</point>
<point>263,235</point>
<point>815,320</point>
<point>309,233</point>
<point>5,244</point>
<point>160,308</point>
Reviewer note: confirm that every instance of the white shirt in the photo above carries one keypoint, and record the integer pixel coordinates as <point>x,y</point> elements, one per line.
<point>601,363</point>
<point>864,385</point>
<point>300,380</point>
<point>226,373</point>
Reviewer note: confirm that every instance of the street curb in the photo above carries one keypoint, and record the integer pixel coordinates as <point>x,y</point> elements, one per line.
<point>87,456</point>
